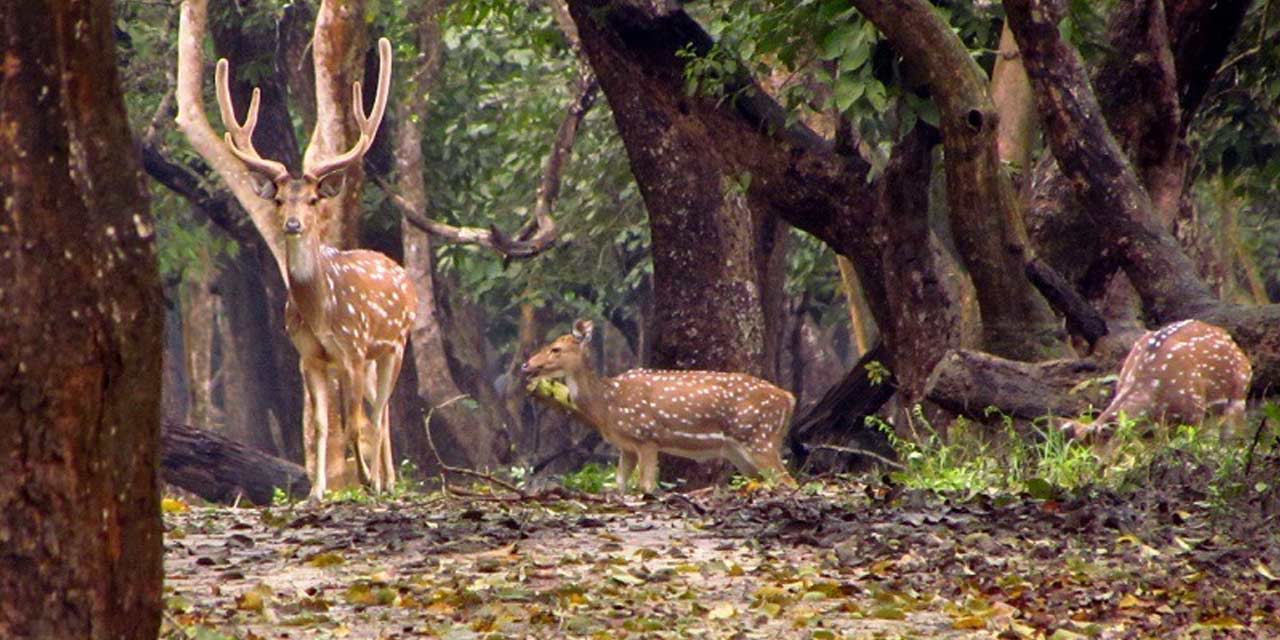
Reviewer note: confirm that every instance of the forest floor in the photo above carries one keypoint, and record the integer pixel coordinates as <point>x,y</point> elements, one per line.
<point>837,559</point>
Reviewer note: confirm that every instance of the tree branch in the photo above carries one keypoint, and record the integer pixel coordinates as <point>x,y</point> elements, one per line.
<point>538,234</point>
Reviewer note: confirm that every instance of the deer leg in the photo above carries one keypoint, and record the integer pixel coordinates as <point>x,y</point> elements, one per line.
<point>626,464</point>
<point>353,385</point>
<point>317,387</point>
<point>1233,422</point>
<point>387,369</point>
<point>308,424</point>
<point>647,458</point>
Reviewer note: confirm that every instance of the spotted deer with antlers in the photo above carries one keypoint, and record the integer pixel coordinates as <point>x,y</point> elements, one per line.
<point>348,312</point>
<point>701,415</point>
<point>1176,375</point>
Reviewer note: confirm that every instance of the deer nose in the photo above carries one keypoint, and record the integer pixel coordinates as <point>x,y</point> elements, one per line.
<point>525,368</point>
<point>293,225</point>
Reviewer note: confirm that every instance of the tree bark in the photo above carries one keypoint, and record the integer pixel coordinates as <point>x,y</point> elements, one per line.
<point>986,215</point>
<point>1148,101</point>
<point>222,470</point>
<point>80,337</point>
<point>926,319</point>
<point>970,382</point>
<point>794,174</point>
<point>1109,189</point>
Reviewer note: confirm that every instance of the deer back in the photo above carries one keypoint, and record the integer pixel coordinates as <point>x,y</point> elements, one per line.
<point>1177,372</point>
<point>686,407</point>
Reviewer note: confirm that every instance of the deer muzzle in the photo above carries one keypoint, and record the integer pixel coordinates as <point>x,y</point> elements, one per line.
<point>293,226</point>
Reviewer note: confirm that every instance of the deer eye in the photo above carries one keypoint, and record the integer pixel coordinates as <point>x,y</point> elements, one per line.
<point>555,350</point>
<point>313,200</point>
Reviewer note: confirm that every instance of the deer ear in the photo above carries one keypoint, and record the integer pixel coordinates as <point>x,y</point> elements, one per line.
<point>582,331</point>
<point>264,187</point>
<point>331,185</point>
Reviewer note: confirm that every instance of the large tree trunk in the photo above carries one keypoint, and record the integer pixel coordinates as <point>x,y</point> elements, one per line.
<point>717,254</point>
<point>80,337</point>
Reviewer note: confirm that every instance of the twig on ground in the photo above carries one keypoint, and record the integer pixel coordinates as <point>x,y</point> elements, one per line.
<point>861,452</point>
<point>558,493</point>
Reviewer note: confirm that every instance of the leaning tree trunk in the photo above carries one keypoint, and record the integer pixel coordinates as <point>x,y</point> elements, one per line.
<point>1109,189</point>
<point>80,337</point>
<point>464,437</point>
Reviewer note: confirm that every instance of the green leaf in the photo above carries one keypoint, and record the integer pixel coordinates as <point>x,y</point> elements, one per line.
<point>833,44</point>
<point>847,91</point>
<point>855,56</point>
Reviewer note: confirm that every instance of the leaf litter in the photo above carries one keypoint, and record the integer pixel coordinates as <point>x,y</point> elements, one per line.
<point>841,559</point>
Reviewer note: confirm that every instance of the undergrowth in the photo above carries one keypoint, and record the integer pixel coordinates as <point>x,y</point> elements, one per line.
<point>1040,460</point>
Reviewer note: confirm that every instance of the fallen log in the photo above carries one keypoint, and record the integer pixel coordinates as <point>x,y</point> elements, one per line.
<point>968,382</point>
<point>222,470</point>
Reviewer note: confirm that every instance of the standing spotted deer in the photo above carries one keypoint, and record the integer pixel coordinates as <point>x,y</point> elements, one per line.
<point>1174,375</point>
<point>349,312</point>
<point>693,414</point>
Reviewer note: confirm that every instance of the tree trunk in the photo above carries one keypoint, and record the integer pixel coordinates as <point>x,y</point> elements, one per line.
<point>986,216</point>
<point>464,436</point>
<point>1016,105</point>
<point>259,384</point>
<point>1120,208</point>
<point>198,320</point>
<point>969,382</point>
<point>716,253</point>
<point>222,470</point>
<point>80,337</point>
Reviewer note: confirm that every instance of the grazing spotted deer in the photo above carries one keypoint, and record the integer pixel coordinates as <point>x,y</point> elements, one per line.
<point>693,414</point>
<point>349,312</point>
<point>1174,375</point>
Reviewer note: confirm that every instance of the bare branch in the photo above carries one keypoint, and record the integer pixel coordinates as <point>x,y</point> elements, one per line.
<point>538,234</point>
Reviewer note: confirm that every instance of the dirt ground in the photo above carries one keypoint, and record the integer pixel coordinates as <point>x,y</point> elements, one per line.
<point>834,560</point>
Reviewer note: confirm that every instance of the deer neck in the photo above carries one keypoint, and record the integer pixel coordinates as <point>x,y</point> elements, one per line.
<point>308,286</point>
<point>588,392</point>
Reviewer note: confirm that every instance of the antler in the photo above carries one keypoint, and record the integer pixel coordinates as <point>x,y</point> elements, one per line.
<point>240,137</point>
<point>368,123</point>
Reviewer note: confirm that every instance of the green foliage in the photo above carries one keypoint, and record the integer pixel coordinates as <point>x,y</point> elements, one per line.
<point>495,110</point>
<point>877,373</point>
<point>971,458</point>
<point>591,478</point>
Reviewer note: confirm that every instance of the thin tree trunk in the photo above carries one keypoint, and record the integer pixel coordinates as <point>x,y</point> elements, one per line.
<point>1011,93</point>
<point>861,324</point>
<point>80,337</point>
<point>198,319</point>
